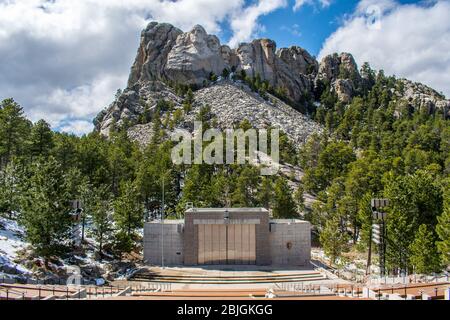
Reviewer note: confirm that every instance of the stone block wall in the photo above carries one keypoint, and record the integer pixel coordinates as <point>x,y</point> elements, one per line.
<point>290,243</point>
<point>173,244</point>
<point>278,242</point>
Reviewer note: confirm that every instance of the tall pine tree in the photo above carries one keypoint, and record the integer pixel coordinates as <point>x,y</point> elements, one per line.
<point>128,216</point>
<point>423,253</point>
<point>283,203</point>
<point>45,205</point>
<point>443,228</point>
<point>41,139</point>
<point>14,130</point>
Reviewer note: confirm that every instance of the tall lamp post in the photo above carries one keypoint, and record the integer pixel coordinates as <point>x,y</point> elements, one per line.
<point>378,233</point>
<point>162,224</point>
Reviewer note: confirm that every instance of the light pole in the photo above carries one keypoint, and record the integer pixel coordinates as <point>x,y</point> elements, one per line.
<point>378,233</point>
<point>162,225</point>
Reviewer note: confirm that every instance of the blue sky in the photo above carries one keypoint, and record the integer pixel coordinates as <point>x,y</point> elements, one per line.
<point>307,27</point>
<point>63,60</point>
<point>314,23</point>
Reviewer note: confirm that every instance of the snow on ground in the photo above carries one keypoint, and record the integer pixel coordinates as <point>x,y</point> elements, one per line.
<point>11,241</point>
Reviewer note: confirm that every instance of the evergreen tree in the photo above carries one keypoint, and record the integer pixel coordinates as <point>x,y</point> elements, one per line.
<point>333,161</point>
<point>443,229</point>
<point>334,241</point>
<point>92,151</point>
<point>196,187</point>
<point>225,73</point>
<point>45,207</point>
<point>369,77</point>
<point>283,203</point>
<point>399,236</point>
<point>83,191</point>
<point>65,150</point>
<point>119,157</point>
<point>416,197</point>
<point>265,193</point>
<point>365,219</point>
<point>41,139</point>
<point>147,181</point>
<point>10,181</point>
<point>158,132</point>
<point>245,191</point>
<point>98,208</point>
<point>14,130</point>
<point>219,196</point>
<point>299,198</point>
<point>424,255</point>
<point>128,216</point>
<point>189,99</point>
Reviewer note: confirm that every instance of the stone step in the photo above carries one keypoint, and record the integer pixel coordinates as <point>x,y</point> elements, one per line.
<point>227,281</point>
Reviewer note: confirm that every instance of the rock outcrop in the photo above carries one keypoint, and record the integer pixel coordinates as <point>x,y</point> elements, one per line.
<point>131,104</point>
<point>168,56</point>
<point>341,72</point>
<point>425,98</point>
<point>157,40</point>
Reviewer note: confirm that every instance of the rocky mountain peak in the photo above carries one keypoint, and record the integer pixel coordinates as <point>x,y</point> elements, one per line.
<point>157,40</point>
<point>168,54</point>
<point>168,57</point>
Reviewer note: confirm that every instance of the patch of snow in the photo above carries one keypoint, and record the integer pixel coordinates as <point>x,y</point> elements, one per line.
<point>11,241</point>
<point>127,274</point>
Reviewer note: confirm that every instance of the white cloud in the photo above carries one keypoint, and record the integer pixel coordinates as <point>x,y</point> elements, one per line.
<point>65,59</point>
<point>300,3</point>
<point>411,41</point>
<point>294,30</point>
<point>245,24</point>
<point>78,127</point>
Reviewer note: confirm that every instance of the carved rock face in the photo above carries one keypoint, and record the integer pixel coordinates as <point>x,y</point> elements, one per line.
<point>245,57</point>
<point>194,56</point>
<point>166,53</point>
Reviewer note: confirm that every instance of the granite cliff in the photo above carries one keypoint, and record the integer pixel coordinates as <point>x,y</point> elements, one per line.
<point>168,57</point>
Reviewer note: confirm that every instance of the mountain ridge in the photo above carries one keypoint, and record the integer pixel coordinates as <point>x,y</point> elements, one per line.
<point>168,58</point>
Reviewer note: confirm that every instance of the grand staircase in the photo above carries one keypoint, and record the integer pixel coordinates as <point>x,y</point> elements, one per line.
<point>148,275</point>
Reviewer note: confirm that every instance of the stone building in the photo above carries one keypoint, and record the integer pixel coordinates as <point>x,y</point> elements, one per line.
<point>238,236</point>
